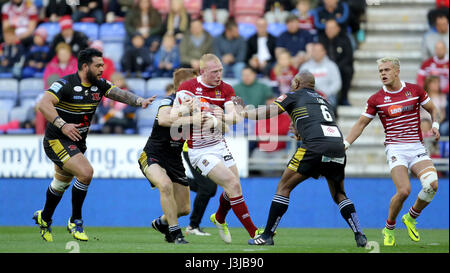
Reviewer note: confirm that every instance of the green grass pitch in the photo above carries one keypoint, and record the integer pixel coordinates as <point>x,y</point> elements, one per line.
<point>147,240</point>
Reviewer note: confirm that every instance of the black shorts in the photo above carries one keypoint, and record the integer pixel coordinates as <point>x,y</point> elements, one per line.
<point>61,150</point>
<point>314,165</point>
<point>174,167</point>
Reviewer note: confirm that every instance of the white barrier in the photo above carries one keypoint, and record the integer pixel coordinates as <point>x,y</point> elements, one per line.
<point>110,156</point>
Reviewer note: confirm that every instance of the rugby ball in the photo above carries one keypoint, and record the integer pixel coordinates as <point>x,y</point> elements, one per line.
<point>182,96</point>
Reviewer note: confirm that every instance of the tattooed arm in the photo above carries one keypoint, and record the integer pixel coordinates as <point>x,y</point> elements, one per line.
<point>129,98</point>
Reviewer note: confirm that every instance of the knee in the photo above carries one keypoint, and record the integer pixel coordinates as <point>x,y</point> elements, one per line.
<point>166,188</point>
<point>86,175</point>
<point>234,187</point>
<point>284,188</point>
<point>403,193</point>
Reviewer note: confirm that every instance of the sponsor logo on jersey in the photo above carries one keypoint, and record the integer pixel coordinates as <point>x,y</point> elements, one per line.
<point>55,87</point>
<point>205,162</point>
<point>77,97</point>
<point>218,94</point>
<point>96,96</point>
<point>199,90</point>
<point>387,99</point>
<point>397,110</point>
<point>72,147</point>
<point>77,88</point>
<point>94,88</point>
<point>408,94</point>
<point>393,159</point>
<point>281,98</point>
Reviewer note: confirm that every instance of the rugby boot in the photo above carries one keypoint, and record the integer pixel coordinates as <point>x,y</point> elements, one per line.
<point>361,240</point>
<point>224,232</point>
<point>76,229</point>
<point>260,240</point>
<point>389,237</point>
<point>410,224</point>
<point>46,231</point>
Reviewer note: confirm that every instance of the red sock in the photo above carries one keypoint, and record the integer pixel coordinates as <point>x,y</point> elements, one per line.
<point>390,225</point>
<point>224,208</point>
<point>414,214</point>
<point>241,211</point>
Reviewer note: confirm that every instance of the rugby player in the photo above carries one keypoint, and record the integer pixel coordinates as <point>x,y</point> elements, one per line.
<point>321,153</point>
<point>208,151</point>
<point>397,104</point>
<point>161,163</point>
<point>69,105</point>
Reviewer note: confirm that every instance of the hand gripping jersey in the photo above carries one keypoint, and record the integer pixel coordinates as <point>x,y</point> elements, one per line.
<point>314,120</point>
<point>218,95</point>
<point>77,103</point>
<point>399,112</point>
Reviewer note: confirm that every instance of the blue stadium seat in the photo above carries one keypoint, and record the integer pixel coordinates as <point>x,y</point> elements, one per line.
<point>19,113</point>
<point>137,85</point>
<point>114,51</point>
<point>90,29</point>
<point>29,90</point>
<point>276,29</point>
<point>4,115</point>
<point>146,118</point>
<point>9,89</point>
<point>246,30</point>
<point>52,29</point>
<point>112,32</point>
<point>214,29</point>
<point>157,86</point>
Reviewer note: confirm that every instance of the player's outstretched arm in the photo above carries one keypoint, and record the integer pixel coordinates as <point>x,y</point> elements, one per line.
<point>356,130</point>
<point>129,98</point>
<point>47,107</point>
<point>262,112</point>
<point>436,116</point>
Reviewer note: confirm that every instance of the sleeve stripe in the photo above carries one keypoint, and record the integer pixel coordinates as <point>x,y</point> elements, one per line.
<point>425,101</point>
<point>53,94</point>
<point>368,115</point>
<point>279,105</point>
<point>107,91</point>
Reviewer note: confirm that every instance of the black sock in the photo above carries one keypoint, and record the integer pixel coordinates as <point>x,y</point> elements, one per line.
<point>279,206</point>
<point>51,202</point>
<point>174,231</point>
<point>79,191</point>
<point>348,212</point>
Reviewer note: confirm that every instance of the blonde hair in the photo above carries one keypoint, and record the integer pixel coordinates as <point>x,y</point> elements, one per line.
<point>207,58</point>
<point>394,60</point>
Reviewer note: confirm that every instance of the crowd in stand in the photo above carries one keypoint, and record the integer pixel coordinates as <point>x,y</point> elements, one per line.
<point>162,35</point>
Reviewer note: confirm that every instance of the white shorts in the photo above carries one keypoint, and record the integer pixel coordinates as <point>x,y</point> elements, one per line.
<point>205,159</point>
<point>406,154</point>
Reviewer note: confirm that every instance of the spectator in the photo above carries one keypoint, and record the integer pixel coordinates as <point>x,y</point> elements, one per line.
<point>326,73</point>
<point>12,53</point>
<point>432,37</point>
<point>332,9</point>
<point>89,8</point>
<point>305,16</point>
<point>443,128</point>
<point>231,48</point>
<point>252,91</point>
<point>76,39</point>
<point>283,71</point>
<point>37,57</point>
<point>167,59</point>
<point>357,10</point>
<point>23,16</point>
<point>277,10</point>
<point>297,41</point>
<point>432,87</point>
<point>117,9</point>
<point>437,65</point>
<point>339,50</point>
<point>55,9</point>
<point>144,19</point>
<point>136,58</point>
<point>115,116</point>
<point>261,48</point>
<point>215,11</point>
<point>109,67</point>
<point>64,63</point>
<point>441,8</point>
<point>195,44</point>
<point>177,22</point>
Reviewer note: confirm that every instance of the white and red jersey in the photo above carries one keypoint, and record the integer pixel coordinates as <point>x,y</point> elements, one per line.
<point>399,112</point>
<point>218,95</point>
<point>434,67</point>
<point>20,16</point>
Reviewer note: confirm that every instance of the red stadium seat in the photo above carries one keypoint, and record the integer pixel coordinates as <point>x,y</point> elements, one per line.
<point>161,5</point>
<point>248,7</point>
<point>193,7</point>
<point>247,19</point>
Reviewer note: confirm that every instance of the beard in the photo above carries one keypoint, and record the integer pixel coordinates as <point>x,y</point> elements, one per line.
<point>91,77</point>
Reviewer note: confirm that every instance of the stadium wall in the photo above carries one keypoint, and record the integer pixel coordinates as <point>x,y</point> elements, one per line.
<point>131,202</point>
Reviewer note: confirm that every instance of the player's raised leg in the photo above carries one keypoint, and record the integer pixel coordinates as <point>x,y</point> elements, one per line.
<point>79,166</point>
<point>426,172</point>
<point>167,223</point>
<point>280,203</point>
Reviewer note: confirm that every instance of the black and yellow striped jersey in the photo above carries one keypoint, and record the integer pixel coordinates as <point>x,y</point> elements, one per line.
<point>314,120</point>
<point>77,103</point>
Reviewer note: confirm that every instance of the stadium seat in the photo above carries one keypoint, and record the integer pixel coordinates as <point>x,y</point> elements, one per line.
<point>114,51</point>
<point>246,30</point>
<point>231,81</point>
<point>157,86</point>
<point>29,90</point>
<point>162,6</point>
<point>4,115</point>
<point>249,7</point>
<point>247,19</point>
<point>20,131</point>
<point>137,86</point>
<point>214,29</point>
<point>276,29</point>
<point>112,32</point>
<point>193,7</point>
<point>90,29</point>
<point>146,117</point>
<point>8,93</point>
<point>52,30</point>
<point>19,113</point>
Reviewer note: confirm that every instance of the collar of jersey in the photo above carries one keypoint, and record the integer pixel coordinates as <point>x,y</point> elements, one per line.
<point>199,79</point>
<point>393,92</point>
